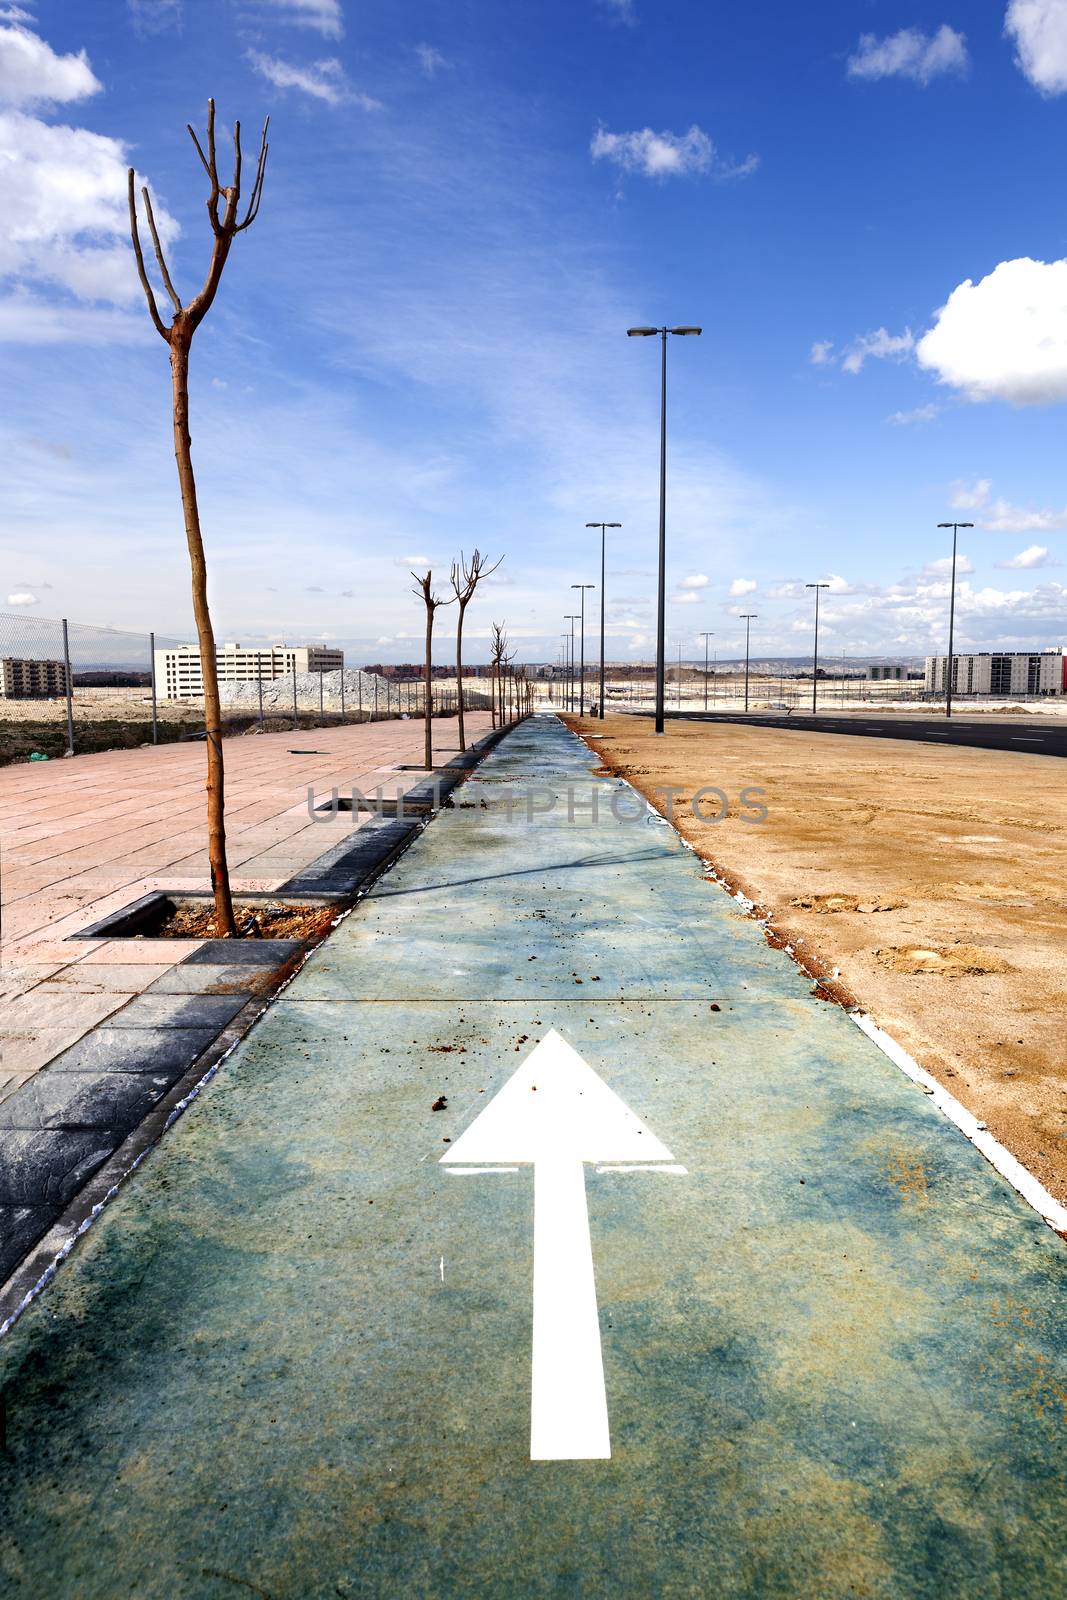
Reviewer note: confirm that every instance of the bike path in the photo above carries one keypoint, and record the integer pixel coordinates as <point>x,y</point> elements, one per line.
<point>293,1357</point>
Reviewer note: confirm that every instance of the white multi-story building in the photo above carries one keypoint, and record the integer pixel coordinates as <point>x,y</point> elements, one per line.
<point>1004,672</point>
<point>178,674</point>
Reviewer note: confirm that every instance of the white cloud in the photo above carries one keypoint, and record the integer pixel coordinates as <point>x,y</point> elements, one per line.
<point>1036,555</point>
<point>969,499</point>
<point>31,73</point>
<point>1039,29</point>
<point>1002,517</point>
<point>662,155</point>
<point>27,319</point>
<point>697,581</point>
<point>742,586</point>
<point>910,54</point>
<point>820,352</point>
<point>154,16</point>
<point>942,568</point>
<point>902,419</point>
<point>63,194</point>
<point>22,599</point>
<point>431,61</point>
<point>622,10</point>
<point>323,80</point>
<point>879,345</point>
<point>412,561</point>
<point>325,16</point>
<point>1005,337</point>
<point>688,597</point>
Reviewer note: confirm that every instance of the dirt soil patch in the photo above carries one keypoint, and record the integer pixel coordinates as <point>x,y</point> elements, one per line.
<point>928,883</point>
<point>253,922</point>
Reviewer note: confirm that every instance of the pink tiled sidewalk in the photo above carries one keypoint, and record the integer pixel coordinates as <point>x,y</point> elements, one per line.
<point>82,838</point>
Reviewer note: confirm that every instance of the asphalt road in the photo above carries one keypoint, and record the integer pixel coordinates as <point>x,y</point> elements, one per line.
<point>1029,738</point>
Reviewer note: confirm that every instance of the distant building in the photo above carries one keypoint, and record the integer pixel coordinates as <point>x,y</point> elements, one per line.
<point>881,673</point>
<point>31,680</point>
<point>179,676</point>
<point>1007,672</point>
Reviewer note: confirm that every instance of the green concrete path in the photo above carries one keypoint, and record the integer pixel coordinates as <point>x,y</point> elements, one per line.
<point>293,1358</point>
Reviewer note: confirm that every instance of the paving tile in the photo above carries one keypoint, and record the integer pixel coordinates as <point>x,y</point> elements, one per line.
<point>179,1011</point>
<point>170,1050</point>
<point>244,952</point>
<point>20,1229</point>
<point>49,1167</point>
<point>84,1100</point>
<point>202,977</point>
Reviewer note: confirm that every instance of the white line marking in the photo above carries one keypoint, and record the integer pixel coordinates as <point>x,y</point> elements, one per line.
<point>1020,738</point>
<point>673,1168</point>
<point>442,1269</point>
<point>475,1172</point>
<point>555,1114</point>
<point>1024,1182</point>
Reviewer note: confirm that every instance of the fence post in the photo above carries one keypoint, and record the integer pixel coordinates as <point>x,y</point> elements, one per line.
<point>376,696</point>
<point>259,682</point>
<point>152,655</point>
<point>70,690</point>
<point>322,712</point>
<point>342,694</point>
<point>359,688</point>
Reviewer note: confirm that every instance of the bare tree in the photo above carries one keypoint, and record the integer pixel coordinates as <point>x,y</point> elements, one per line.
<point>179,336</point>
<point>498,645</point>
<point>466,576</point>
<point>423,587</point>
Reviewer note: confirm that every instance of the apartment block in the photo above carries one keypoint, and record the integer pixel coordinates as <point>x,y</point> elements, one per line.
<point>1007,672</point>
<point>179,675</point>
<point>31,680</point>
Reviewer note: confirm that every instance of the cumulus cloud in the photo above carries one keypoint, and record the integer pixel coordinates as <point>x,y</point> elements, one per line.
<point>663,155</point>
<point>881,345</point>
<point>63,191</point>
<point>1005,337</point>
<point>910,54</point>
<point>1039,29</point>
<point>22,598</point>
<point>969,497</point>
<point>688,597</point>
<point>31,73</point>
<point>430,60</point>
<point>698,580</point>
<point>622,11</point>
<point>821,352</point>
<point>325,16</point>
<point>323,80</point>
<point>1036,555</point>
<point>942,568</point>
<point>1003,517</point>
<point>742,586</point>
<point>903,419</point>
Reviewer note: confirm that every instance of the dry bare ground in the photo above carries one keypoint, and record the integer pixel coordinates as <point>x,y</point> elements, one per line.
<point>933,881</point>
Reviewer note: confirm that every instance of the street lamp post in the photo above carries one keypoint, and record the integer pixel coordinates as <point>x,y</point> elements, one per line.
<point>815,659</point>
<point>572,618</point>
<point>955,526</point>
<point>582,587</point>
<point>748,618</point>
<point>602,526</point>
<point>706,637</point>
<point>661,600</point>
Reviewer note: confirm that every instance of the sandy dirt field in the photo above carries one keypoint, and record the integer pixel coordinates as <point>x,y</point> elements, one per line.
<point>932,881</point>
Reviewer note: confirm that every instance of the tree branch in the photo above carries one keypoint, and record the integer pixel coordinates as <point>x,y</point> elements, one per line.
<point>257,187</point>
<point>153,309</point>
<point>168,285</point>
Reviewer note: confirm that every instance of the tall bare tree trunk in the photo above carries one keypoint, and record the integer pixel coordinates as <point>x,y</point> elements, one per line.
<point>225,925</point>
<point>459,673</point>
<point>428,747</point>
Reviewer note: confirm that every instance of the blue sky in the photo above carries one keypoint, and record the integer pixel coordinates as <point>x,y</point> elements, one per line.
<point>420,345</point>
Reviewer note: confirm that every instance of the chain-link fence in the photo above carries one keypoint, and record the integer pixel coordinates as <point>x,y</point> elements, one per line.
<point>71,687</point>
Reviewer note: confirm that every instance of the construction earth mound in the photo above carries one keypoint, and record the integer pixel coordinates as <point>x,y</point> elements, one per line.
<point>362,691</point>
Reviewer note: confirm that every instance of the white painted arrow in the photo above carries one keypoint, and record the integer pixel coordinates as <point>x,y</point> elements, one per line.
<point>555,1114</point>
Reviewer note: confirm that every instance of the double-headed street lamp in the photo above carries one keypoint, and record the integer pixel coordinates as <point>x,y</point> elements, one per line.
<point>748,618</point>
<point>646,333</point>
<point>706,637</point>
<point>815,659</point>
<point>602,526</point>
<point>581,679</point>
<point>955,526</point>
